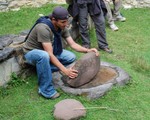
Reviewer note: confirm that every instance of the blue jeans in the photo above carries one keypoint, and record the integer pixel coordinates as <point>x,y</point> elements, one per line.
<point>44,68</point>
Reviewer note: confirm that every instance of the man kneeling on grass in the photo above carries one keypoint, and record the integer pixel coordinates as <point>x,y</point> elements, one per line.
<point>43,49</point>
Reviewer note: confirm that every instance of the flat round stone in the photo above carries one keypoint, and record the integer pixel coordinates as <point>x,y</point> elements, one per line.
<point>69,109</point>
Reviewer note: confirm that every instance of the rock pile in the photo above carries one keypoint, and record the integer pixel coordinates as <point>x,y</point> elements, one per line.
<point>6,5</point>
<point>8,45</point>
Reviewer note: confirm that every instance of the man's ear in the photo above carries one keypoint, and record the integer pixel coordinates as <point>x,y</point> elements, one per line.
<point>54,19</point>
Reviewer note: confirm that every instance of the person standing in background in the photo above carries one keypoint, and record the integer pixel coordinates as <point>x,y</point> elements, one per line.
<point>114,14</point>
<point>80,9</point>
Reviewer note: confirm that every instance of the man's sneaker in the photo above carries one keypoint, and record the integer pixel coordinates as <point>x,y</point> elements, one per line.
<point>113,27</point>
<point>120,18</point>
<point>55,96</point>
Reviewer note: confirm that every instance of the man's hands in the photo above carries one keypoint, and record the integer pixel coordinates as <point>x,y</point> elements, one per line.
<point>71,73</point>
<point>93,50</point>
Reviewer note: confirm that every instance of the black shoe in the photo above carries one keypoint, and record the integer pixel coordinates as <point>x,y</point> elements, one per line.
<point>108,50</point>
<point>86,46</point>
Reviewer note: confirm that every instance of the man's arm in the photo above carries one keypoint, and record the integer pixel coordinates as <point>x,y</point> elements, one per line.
<point>79,48</point>
<point>69,72</point>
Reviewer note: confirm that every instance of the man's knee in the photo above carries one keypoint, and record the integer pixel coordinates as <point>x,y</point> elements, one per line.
<point>72,57</point>
<point>43,55</point>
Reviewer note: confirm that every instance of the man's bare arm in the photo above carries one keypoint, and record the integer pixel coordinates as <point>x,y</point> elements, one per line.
<point>69,72</point>
<point>79,48</point>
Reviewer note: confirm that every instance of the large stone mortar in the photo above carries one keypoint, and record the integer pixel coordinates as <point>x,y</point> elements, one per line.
<point>93,92</point>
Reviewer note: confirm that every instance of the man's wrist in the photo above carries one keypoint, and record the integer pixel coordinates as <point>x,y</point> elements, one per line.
<point>87,50</point>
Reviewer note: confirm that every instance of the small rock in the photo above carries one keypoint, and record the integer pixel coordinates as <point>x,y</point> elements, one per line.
<point>1,46</point>
<point>126,6</point>
<point>5,53</point>
<point>19,40</point>
<point>69,109</point>
<point>24,32</point>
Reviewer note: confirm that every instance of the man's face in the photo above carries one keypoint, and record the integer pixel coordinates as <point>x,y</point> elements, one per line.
<point>62,23</point>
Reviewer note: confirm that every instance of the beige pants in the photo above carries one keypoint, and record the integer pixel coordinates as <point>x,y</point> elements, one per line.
<point>117,4</point>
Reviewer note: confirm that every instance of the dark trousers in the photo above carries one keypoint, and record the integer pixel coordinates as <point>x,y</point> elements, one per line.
<point>99,23</point>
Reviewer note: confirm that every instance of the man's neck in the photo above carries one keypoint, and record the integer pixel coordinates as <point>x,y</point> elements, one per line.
<point>53,22</point>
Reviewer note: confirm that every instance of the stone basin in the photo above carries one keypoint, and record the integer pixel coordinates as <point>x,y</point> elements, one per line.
<point>105,75</point>
<point>108,76</point>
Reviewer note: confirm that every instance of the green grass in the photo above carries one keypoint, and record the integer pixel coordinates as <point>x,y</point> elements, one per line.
<point>15,21</point>
<point>131,52</point>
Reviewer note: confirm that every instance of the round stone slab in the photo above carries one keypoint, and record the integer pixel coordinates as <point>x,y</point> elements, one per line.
<point>69,109</point>
<point>87,67</point>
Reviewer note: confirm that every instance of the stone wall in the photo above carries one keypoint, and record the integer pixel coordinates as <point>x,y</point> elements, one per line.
<point>6,5</point>
<point>136,3</point>
<point>7,68</point>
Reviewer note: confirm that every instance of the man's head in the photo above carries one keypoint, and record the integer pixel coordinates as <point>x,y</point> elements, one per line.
<point>60,17</point>
<point>60,13</point>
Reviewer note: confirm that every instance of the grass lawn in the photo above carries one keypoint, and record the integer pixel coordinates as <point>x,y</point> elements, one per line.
<point>131,46</point>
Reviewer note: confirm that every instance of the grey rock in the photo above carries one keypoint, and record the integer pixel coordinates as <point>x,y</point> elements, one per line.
<point>6,68</point>
<point>5,43</point>
<point>6,53</point>
<point>24,32</point>
<point>18,40</point>
<point>1,46</point>
<point>69,109</point>
<point>87,67</point>
<point>3,3</point>
<point>7,40</point>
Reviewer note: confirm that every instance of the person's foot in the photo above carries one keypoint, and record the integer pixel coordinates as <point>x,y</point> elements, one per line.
<point>55,96</point>
<point>120,18</point>
<point>108,50</point>
<point>113,27</point>
<point>86,46</point>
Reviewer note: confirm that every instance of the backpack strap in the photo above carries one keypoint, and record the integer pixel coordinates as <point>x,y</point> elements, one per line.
<point>38,21</point>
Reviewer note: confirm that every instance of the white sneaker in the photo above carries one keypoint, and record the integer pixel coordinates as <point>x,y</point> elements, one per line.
<point>120,18</point>
<point>113,27</point>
